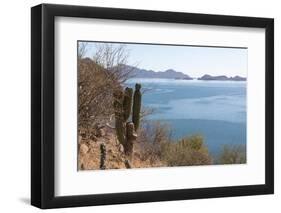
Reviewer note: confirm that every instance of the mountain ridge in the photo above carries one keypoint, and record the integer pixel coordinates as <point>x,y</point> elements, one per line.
<point>144,73</point>
<point>173,74</point>
<point>135,72</point>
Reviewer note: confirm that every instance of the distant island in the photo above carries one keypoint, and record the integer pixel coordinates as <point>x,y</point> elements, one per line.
<point>173,74</point>
<point>221,78</point>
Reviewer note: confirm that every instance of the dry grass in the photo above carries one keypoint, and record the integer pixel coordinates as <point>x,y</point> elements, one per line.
<point>151,136</point>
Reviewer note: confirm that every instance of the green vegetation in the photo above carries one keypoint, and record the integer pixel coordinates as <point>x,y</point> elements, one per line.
<point>232,154</point>
<point>156,144</point>
<point>186,152</point>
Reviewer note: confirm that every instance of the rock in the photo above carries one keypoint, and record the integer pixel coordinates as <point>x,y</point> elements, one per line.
<point>79,139</point>
<point>127,164</point>
<point>83,149</point>
<point>137,155</point>
<point>98,126</point>
<point>121,148</point>
<point>83,133</point>
<point>93,137</point>
<point>100,133</point>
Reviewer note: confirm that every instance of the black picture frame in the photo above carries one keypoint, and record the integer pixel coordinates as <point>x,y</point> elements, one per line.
<point>43,111</point>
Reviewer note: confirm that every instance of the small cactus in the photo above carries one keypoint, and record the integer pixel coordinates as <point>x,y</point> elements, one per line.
<point>137,106</point>
<point>102,156</point>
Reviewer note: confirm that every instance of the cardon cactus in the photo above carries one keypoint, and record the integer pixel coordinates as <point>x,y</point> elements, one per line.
<point>126,130</point>
<point>102,156</point>
<point>137,106</point>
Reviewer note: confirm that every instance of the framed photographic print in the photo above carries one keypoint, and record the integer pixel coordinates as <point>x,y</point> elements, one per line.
<point>139,106</point>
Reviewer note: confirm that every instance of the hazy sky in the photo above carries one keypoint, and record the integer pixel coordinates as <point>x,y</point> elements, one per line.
<point>194,61</point>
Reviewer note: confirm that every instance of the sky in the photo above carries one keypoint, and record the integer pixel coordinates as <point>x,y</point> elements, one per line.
<point>194,61</point>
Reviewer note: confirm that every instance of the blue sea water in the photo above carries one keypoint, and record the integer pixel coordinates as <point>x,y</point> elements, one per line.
<point>214,109</point>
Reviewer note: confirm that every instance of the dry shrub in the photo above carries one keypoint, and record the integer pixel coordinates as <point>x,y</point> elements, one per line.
<point>94,93</point>
<point>98,79</point>
<point>155,144</point>
<point>151,137</point>
<point>188,151</point>
<point>232,154</point>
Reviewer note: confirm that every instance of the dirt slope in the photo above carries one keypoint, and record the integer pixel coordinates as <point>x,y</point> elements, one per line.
<point>89,156</point>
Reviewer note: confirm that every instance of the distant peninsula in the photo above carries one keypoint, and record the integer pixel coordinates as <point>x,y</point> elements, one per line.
<point>221,78</point>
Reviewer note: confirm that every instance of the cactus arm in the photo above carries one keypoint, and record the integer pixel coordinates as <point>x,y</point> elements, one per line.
<point>120,131</point>
<point>131,137</point>
<point>136,106</point>
<point>119,117</point>
<point>127,103</point>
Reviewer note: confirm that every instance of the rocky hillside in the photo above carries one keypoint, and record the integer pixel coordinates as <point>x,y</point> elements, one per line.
<point>104,146</point>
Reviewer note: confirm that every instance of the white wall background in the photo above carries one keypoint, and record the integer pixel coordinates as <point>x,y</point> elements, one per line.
<point>15,105</point>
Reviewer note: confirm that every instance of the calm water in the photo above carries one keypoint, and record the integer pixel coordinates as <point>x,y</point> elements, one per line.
<point>214,109</point>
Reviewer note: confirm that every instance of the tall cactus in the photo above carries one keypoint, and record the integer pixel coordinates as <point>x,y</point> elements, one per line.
<point>137,106</point>
<point>125,130</point>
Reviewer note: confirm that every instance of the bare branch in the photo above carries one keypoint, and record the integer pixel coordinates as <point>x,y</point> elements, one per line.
<point>82,49</point>
<point>98,79</point>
